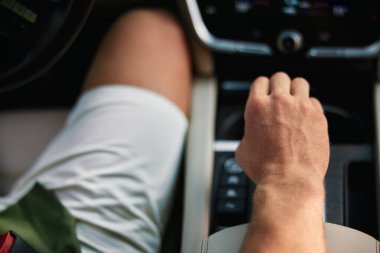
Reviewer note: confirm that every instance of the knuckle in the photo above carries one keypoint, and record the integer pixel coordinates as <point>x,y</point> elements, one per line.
<point>256,103</point>
<point>316,101</point>
<point>306,108</point>
<point>281,99</point>
<point>254,108</point>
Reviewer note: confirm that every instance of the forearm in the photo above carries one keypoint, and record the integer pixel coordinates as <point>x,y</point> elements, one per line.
<point>285,151</point>
<point>287,218</point>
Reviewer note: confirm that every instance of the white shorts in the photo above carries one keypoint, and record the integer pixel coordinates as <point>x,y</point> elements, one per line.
<point>114,167</point>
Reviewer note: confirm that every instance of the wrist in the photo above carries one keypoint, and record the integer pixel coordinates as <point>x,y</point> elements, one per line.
<point>294,178</point>
<point>289,200</point>
<point>308,183</point>
<point>294,188</point>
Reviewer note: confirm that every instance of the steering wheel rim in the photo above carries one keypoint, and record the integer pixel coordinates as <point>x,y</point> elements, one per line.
<point>44,53</point>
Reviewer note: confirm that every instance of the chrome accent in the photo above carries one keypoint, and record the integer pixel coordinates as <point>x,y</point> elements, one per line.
<point>324,52</point>
<point>252,48</point>
<point>199,166</point>
<point>365,52</point>
<point>226,146</point>
<point>236,86</point>
<point>222,44</point>
<point>377,143</point>
<point>370,51</point>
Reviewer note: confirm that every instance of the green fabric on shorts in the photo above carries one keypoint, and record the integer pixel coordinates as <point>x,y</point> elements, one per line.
<point>42,221</point>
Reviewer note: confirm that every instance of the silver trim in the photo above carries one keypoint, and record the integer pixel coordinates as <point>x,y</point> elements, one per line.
<point>222,44</point>
<point>325,52</point>
<point>199,164</point>
<point>377,143</point>
<point>236,85</point>
<point>338,239</point>
<point>370,51</point>
<point>246,47</point>
<point>226,146</point>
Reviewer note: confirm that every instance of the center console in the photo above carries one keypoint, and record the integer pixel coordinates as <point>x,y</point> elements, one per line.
<point>324,28</point>
<point>334,44</point>
<point>350,181</point>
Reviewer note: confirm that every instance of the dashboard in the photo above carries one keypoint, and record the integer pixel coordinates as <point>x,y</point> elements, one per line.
<point>305,28</point>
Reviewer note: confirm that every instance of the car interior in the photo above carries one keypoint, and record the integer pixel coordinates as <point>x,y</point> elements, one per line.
<point>46,47</point>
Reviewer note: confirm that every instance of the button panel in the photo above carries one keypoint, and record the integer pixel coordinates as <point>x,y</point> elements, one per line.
<point>232,191</point>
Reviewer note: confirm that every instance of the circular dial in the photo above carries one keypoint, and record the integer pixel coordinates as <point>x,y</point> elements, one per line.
<point>290,41</point>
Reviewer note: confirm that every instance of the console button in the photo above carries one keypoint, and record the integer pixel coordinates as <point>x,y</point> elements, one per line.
<point>290,41</point>
<point>231,193</point>
<point>233,180</point>
<point>231,207</point>
<point>232,167</point>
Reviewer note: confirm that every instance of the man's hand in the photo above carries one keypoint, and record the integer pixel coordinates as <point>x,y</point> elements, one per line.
<point>285,132</point>
<point>285,151</point>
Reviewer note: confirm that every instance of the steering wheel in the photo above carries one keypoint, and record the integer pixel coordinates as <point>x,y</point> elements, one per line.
<point>35,34</point>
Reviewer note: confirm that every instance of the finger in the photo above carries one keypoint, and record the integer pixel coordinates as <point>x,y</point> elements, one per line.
<point>260,87</point>
<point>317,104</point>
<point>300,88</point>
<point>280,83</point>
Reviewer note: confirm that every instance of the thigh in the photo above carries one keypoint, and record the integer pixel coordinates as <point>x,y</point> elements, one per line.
<point>145,48</point>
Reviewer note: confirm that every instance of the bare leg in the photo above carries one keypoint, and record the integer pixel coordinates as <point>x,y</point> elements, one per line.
<point>115,163</point>
<point>145,48</point>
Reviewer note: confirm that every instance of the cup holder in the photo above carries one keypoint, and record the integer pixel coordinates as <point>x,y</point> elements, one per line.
<point>344,127</point>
